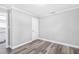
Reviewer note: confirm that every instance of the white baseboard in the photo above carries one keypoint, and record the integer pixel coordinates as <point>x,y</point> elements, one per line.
<point>21,44</point>
<point>66,44</point>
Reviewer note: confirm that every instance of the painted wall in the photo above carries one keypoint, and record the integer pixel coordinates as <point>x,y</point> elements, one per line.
<point>62,27</point>
<point>21,27</point>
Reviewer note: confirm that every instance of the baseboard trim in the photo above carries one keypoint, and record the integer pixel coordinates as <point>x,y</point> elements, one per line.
<point>66,44</point>
<point>21,44</point>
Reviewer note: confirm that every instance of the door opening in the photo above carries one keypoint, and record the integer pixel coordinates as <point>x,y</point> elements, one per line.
<point>3,28</point>
<point>35,31</point>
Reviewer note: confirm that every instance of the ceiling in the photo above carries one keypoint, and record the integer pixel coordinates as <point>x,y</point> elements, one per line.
<point>42,10</point>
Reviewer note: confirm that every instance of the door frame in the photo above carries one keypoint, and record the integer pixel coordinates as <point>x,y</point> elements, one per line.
<point>8,42</point>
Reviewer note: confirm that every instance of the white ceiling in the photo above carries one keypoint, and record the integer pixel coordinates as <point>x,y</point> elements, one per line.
<point>42,10</point>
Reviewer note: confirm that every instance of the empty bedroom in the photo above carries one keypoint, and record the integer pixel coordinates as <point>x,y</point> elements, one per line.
<point>39,28</point>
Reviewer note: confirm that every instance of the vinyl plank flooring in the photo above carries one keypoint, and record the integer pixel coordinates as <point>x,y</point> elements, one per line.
<point>32,47</point>
<point>42,47</point>
<point>28,45</point>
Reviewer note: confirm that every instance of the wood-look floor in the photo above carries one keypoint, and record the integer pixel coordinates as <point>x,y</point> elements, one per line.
<point>44,47</point>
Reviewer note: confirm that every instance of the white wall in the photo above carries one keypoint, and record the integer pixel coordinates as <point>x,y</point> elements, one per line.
<point>21,27</point>
<point>63,27</point>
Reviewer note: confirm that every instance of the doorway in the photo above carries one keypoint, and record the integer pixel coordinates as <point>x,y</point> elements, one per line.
<point>35,28</point>
<point>3,29</point>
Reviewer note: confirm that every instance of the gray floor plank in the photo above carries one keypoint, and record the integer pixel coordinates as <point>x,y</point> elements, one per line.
<point>41,47</point>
